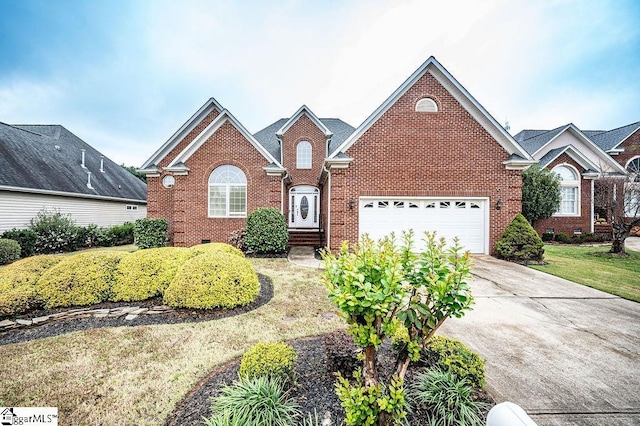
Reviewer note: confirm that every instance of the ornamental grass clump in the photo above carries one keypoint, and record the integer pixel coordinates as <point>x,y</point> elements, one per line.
<point>147,273</point>
<point>79,280</point>
<point>18,284</point>
<point>213,280</point>
<point>269,359</point>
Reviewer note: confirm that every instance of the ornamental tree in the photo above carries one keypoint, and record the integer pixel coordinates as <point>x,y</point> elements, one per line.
<point>540,193</point>
<point>378,288</point>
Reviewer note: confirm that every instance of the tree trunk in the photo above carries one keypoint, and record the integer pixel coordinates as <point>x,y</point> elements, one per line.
<point>369,369</point>
<point>620,232</point>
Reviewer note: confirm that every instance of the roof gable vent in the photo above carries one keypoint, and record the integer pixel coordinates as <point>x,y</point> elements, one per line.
<point>426,105</point>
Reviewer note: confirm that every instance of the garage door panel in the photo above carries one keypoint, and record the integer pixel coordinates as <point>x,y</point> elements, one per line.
<point>448,217</point>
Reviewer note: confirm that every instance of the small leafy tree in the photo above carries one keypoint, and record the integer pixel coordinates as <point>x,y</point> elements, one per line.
<point>378,287</point>
<point>540,193</point>
<point>134,171</point>
<point>620,199</point>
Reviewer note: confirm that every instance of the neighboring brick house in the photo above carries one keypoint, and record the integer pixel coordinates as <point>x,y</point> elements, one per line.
<point>429,158</point>
<point>581,157</point>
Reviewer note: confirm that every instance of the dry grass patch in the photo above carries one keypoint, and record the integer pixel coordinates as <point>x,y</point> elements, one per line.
<point>136,375</point>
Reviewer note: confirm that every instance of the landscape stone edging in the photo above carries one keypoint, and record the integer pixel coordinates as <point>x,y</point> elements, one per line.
<point>131,312</point>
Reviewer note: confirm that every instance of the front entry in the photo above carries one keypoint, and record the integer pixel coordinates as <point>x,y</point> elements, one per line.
<point>304,207</point>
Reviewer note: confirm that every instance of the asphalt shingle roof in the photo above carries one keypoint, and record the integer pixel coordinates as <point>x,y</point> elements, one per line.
<point>48,157</point>
<point>608,140</point>
<point>267,136</point>
<point>533,140</point>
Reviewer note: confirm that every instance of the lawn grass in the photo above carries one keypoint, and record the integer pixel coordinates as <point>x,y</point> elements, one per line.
<point>594,267</point>
<point>137,375</point>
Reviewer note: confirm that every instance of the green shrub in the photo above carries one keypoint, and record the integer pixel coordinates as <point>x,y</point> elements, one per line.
<point>547,236</point>
<point>562,238</point>
<point>18,284</point>
<point>448,399</point>
<point>453,356</point>
<point>149,233</point>
<point>213,280</point>
<point>259,401</point>
<point>55,232</point>
<point>214,248</point>
<point>78,280</point>
<point>146,273</point>
<point>520,242</point>
<point>122,234</point>
<point>267,231</point>
<point>269,359</point>
<point>25,237</point>
<point>9,251</point>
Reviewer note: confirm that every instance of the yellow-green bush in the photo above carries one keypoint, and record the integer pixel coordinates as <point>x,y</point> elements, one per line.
<point>213,280</point>
<point>18,284</point>
<point>214,248</point>
<point>268,359</point>
<point>78,280</point>
<point>453,356</point>
<point>147,273</point>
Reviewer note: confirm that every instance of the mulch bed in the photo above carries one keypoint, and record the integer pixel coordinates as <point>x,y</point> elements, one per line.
<point>54,328</point>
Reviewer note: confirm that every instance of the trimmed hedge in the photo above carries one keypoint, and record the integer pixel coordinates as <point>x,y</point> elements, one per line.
<point>78,280</point>
<point>266,231</point>
<point>18,284</point>
<point>25,237</point>
<point>214,248</point>
<point>150,233</point>
<point>520,242</point>
<point>9,251</point>
<point>273,360</point>
<point>146,273</point>
<point>452,355</point>
<point>213,280</point>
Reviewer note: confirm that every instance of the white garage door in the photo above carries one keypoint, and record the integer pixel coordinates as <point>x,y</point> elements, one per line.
<point>466,219</point>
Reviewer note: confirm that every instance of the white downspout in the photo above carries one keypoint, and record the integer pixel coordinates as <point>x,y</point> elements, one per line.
<point>592,209</point>
<point>328,206</point>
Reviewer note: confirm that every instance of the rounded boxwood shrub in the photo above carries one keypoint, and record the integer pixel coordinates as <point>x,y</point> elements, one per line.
<point>269,359</point>
<point>78,280</point>
<point>18,284</point>
<point>520,242</point>
<point>453,356</point>
<point>9,251</point>
<point>25,237</point>
<point>213,280</point>
<point>214,248</point>
<point>149,233</point>
<point>266,231</point>
<point>146,273</point>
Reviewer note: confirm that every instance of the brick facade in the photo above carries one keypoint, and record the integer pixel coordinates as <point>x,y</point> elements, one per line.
<point>631,149</point>
<point>442,154</point>
<point>568,224</point>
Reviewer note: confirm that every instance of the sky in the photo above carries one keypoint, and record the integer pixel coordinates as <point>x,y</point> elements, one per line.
<point>124,75</point>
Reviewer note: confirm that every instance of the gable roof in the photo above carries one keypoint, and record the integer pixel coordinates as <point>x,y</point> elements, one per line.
<point>304,110</point>
<point>268,138</point>
<point>47,159</point>
<point>183,131</point>
<point>610,140</point>
<point>540,139</point>
<point>468,102</point>
<point>571,152</point>
<point>196,143</point>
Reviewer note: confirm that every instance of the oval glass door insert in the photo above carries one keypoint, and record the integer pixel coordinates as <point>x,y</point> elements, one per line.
<point>304,207</point>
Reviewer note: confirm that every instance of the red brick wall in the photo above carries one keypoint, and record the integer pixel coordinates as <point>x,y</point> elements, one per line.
<point>406,153</point>
<point>565,224</point>
<point>190,223</point>
<point>303,130</point>
<point>631,149</point>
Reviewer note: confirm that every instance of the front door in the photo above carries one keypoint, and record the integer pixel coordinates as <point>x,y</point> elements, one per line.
<point>304,207</point>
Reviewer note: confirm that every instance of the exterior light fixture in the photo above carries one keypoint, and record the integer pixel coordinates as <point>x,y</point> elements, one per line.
<point>352,204</point>
<point>499,204</point>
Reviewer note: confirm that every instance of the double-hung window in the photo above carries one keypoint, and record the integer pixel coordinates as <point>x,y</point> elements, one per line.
<point>227,192</point>
<point>569,191</point>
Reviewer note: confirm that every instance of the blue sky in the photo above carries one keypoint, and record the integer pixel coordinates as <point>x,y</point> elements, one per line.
<point>124,75</point>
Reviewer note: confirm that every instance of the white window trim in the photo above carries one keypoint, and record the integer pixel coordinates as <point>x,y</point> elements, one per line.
<point>629,171</point>
<point>426,105</point>
<point>571,184</point>
<point>227,187</point>
<point>307,143</point>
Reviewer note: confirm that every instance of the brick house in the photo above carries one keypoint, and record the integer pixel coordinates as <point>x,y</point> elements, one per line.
<point>430,157</point>
<point>580,158</point>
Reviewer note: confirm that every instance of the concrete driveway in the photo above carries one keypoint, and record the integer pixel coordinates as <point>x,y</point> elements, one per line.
<point>566,353</point>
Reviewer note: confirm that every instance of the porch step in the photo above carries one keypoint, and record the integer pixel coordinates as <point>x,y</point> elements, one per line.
<point>306,238</point>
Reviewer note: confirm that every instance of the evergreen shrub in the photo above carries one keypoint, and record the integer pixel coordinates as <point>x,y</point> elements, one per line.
<point>520,242</point>
<point>150,233</point>
<point>9,251</point>
<point>25,237</point>
<point>213,280</point>
<point>453,356</point>
<point>146,273</point>
<point>55,232</point>
<point>78,280</point>
<point>266,231</point>
<point>269,359</point>
<point>18,284</point>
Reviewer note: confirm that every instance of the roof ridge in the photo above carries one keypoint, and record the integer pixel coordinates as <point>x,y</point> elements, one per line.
<point>637,123</point>
<point>16,126</point>
<point>541,130</point>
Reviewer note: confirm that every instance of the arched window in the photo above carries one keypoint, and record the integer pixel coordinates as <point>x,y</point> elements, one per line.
<point>632,189</point>
<point>569,190</point>
<point>426,105</point>
<point>633,167</point>
<point>227,192</point>
<point>303,155</point>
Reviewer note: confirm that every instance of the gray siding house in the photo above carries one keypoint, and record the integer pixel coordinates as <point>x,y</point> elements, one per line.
<point>48,167</point>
